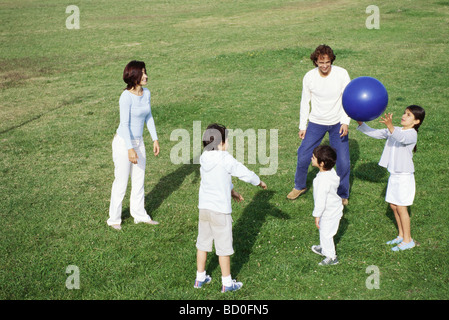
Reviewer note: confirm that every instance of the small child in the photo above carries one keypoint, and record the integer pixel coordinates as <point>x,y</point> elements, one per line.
<point>328,208</point>
<point>397,158</point>
<point>216,190</point>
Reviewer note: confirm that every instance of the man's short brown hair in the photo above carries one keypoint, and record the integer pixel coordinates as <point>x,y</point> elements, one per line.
<point>322,50</point>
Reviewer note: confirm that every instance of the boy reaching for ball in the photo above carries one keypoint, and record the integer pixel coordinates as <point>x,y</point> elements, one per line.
<point>216,189</point>
<point>328,208</point>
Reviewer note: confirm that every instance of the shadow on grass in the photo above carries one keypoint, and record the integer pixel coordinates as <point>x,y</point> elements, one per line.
<point>165,187</point>
<point>169,184</point>
<point>247,228</point>
<point>371,172</point>
<point>354,154</point>
<point>341,229</point>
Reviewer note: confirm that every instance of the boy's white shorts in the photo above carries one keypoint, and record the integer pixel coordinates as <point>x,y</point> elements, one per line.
<point>215,227</point>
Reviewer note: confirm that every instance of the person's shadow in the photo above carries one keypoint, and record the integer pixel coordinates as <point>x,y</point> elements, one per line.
<point>165,187</point>
<point>169,184</point>
<point>247,228</point>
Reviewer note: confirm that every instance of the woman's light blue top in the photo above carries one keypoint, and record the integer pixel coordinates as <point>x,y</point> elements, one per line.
<point>135,111</point>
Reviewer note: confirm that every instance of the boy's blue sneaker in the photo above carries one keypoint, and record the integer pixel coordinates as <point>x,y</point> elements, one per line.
<point>404,246</point>
<point>317,250</point>
<point>199,284</point>
<point>328,262</point>
<point>234,287</point>
<point>395,241</point>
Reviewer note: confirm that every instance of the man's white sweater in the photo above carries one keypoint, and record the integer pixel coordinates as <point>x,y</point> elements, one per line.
<point>321,98</point>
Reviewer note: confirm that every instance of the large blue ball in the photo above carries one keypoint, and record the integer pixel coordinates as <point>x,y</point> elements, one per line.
<point>365,99</point>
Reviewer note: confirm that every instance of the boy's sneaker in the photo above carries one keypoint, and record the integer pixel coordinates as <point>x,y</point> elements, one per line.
<point>328,262</point>
<point>234,287</point>
<point>199,284</point>
<point>317,250</point>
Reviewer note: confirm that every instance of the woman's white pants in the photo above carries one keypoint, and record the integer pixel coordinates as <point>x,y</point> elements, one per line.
<point>123,169</point>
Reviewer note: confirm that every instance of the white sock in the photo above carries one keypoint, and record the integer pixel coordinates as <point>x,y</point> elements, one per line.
<point>227,281</point>
<point>201,276</point>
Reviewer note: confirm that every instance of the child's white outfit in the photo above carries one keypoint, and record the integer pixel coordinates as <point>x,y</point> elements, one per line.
<point>217,169</point>
<point>328,207</point>
<point>215,222</point>
<point>397,158</point>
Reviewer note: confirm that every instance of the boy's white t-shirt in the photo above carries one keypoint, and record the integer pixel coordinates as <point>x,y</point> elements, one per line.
<point>321,98</point>
<point>217,169</point>
<point>327,202</point>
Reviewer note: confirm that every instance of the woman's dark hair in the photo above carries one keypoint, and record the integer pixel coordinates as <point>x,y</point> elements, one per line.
<point>214,135</point>
<point>322,50</point>
<point>327,155</point>
<point>132,75</point>
<point>419,114</point>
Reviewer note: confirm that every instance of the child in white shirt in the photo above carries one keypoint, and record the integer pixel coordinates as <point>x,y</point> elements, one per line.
<point>328,208</point>
<point>216,190</point>
<point>397,158</point>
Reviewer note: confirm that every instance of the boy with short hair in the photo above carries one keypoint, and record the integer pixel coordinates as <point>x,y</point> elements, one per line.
<point>216,190</point>
<point>328,208</point>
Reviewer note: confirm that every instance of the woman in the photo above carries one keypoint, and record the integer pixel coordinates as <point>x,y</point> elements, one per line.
<point>128,149</point>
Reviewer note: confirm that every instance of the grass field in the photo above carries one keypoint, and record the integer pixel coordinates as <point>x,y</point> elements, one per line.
<point>239,63</point>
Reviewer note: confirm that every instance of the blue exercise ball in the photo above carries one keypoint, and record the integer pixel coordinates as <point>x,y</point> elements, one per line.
<point>365,99</point>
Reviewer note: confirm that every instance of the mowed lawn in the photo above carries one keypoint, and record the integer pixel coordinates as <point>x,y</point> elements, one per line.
<point>239,63</point>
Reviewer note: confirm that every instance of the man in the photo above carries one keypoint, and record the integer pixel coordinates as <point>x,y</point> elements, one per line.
<point>321,106</point>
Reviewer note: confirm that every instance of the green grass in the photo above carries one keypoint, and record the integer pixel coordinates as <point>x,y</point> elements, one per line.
<point>240,63</point>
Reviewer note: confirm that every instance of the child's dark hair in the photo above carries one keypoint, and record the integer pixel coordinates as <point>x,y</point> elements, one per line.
<point>419,114</point>
<point>327,155</point>
<point>214,135</point>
